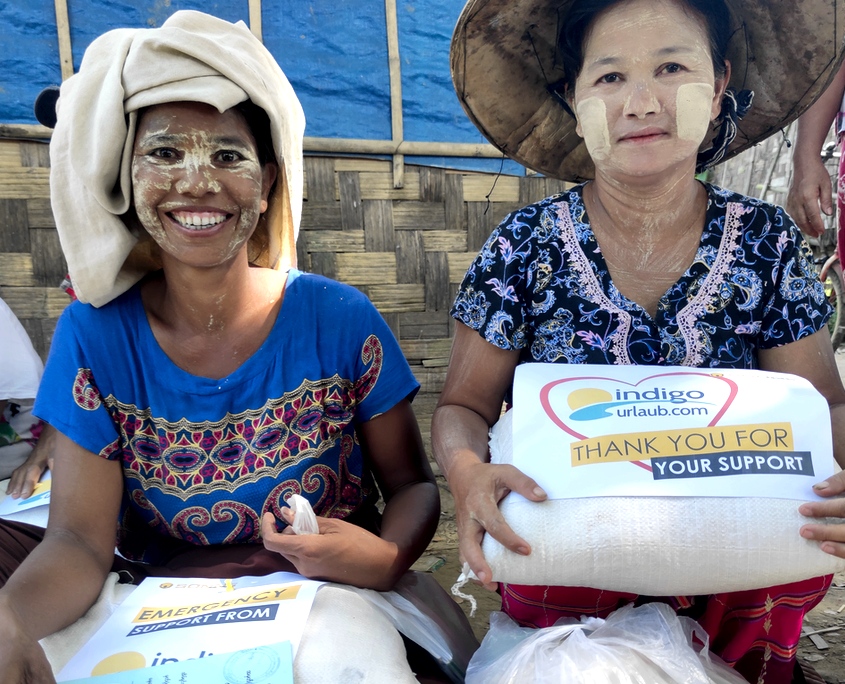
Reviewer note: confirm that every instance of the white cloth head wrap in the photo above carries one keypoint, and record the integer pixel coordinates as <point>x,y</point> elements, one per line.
<point>192,57</point>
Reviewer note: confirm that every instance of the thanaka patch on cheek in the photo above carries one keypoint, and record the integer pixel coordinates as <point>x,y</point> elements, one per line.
<point>592,117</point>
<point>692,110</point>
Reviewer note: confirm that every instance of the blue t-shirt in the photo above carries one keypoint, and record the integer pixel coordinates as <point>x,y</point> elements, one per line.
<point>203,459</point>
<point>540,285</point>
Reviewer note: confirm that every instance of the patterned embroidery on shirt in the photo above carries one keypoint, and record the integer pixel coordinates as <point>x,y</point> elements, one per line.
<point>303,442</point>
<point>110,449</point>
<point>540,285</point>
<point>85,392</point>
<point>372,354</point>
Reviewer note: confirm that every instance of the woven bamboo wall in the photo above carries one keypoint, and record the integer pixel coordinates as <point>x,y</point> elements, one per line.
<point>407,248</point>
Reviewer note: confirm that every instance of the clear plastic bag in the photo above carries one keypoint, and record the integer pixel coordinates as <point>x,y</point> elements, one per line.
<point>304,519</point>
<point>644,645</point>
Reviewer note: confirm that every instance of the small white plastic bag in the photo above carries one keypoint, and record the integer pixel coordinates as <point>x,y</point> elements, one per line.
<point>644,645</point>
<point>304,519</point>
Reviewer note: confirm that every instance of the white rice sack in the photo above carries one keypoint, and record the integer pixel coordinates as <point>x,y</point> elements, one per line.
<point>346,638</point>
<point>349,640</point>
<point>656,546</point>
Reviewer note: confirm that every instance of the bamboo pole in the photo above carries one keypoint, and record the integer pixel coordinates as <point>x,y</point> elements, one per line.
<point>403,147</point>
<point>394,61</point>
<point>773,165</point>
<point>255,19</point>
<point>25,132</point>
<point>63,30</point>
<point>323,145</point>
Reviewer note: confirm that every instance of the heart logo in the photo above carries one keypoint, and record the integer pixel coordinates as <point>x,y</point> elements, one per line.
<point>546,403</point>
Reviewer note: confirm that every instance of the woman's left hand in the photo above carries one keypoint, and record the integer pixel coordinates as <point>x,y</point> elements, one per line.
<point>341,552</point>
<point>831,538</point>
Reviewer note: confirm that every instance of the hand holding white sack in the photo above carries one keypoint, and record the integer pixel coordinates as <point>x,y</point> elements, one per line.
<point>657,546</point>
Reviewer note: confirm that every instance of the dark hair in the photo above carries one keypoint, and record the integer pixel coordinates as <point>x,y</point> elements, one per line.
<point>259,125</point>
<point>582,13</point>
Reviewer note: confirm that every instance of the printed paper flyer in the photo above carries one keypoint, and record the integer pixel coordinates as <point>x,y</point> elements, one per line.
<point>588,430</point>
<point>271,664</point>
<point>32,510</point>
<point>171,620</point>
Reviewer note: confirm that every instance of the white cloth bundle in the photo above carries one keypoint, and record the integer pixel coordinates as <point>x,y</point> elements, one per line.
<point>656,546</point>
<point>20,365</point>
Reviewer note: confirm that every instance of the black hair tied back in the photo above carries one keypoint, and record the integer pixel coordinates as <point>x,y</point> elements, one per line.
<point>735,105</point>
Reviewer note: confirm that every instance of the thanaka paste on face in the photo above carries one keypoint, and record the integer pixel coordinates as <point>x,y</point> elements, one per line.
<point>592,121</point>
<point>615,43</point>
<point>193,174</point>
<point>692,110</point>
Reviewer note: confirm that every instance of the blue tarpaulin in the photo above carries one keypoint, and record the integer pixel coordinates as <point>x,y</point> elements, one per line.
<point>334,53</point>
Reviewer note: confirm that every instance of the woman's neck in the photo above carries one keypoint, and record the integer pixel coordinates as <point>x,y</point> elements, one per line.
<point>210,300</point>
<point>209,321</point>
<point>648,236</point>
<point>646,215</point>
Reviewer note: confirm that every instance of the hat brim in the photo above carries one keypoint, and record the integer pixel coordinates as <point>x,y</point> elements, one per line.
<point>504,56</point>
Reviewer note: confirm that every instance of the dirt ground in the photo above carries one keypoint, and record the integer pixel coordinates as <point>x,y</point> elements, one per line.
<point>826,655</point>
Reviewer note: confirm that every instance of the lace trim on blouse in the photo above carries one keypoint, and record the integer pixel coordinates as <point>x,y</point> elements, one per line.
<point>592,290</point>
<point>694,338</point>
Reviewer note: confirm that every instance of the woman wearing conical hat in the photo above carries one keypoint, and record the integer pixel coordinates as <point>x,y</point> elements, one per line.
<point>641,263</point>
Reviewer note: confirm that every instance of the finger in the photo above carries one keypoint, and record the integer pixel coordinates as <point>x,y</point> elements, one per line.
<point>517,481</point>
<point>815,223</point>
<point>804,224</point>
<point>30,480</point>
<point>833,508</point>
<point>268,526</point>
<point>287,515</point>
<point>13,488</point>
<point>498,528</point>
<point>833,548</point>
<point>832,486</point>
<point>831,538</point>
<point>825,195</point>
<point>470,551</point>
<point>286,545</point>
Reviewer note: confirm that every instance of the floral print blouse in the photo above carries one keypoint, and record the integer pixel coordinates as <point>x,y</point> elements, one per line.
<point>540,284</point>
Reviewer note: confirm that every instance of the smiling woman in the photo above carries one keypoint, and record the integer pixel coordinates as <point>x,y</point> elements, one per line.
<point>201,380</point>
<point>642,263</point>
<point>199,186</point>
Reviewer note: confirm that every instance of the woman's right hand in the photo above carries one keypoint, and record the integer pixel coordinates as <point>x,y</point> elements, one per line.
<point>22,660</point>
<point>471,401</point>
<point>26,476</point>
<point>809,192</point>
<point>831,537</point>
<point>477,489</point>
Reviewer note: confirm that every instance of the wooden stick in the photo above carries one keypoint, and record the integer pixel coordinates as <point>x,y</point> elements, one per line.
<point>25,131</point>
<point>395,64</point>
<point>255,19</point>
<point>65,48</point>
<point>407,147</point>
<point>821,631</point>
<point>325,145</point>
<point>818,642</point>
